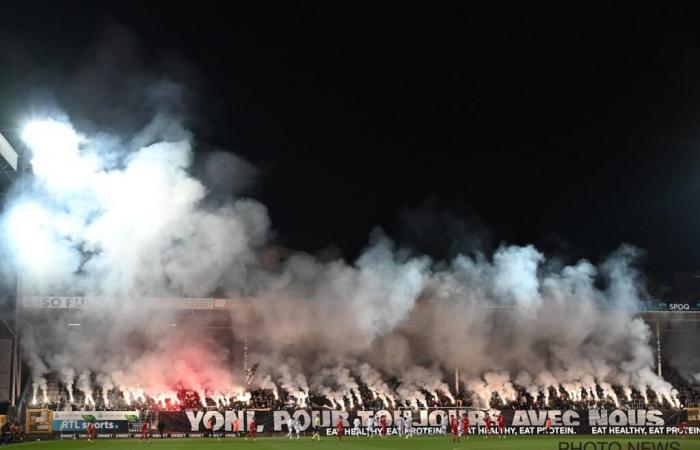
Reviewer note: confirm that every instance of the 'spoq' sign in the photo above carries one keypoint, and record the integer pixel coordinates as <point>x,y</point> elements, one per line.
<point>679,307</point>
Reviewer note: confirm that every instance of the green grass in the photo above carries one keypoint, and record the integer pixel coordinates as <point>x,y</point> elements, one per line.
<point>357,443</point>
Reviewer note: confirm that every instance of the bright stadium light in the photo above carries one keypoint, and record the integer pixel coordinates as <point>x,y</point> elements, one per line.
<point>55,153</point>
<point>47,134</point>
<point>8,153</point>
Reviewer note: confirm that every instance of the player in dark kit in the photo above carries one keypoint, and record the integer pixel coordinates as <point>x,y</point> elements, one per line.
<point>455,429</point>
<point>487,420</point>
<point>501,422</point>
<point>383,425</point>
<point>465,425</point>
<point>144,431</point>
<point>339,427</point>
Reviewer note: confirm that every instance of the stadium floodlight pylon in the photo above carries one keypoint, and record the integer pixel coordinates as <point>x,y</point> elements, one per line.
<point>11,165</point>
<point>8,153</point>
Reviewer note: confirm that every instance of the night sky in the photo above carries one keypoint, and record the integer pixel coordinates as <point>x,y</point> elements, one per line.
<point>453,128</point>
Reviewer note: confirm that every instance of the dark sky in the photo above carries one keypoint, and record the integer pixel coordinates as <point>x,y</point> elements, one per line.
<point>576,129</point>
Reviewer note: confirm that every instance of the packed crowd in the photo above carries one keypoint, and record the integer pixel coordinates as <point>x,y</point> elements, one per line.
<point>11,433</point>
<point>265,399</point>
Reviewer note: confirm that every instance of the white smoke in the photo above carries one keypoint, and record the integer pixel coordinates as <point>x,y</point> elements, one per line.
<point>85,386</point>
<point>267,383</point>
<point>40,384</point>
<point>373,380</point>
<point>118,220</point>
<point>124,230</point>
<point>68,377</point>
<point>295,384</point>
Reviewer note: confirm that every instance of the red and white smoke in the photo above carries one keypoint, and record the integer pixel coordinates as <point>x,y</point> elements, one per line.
<point>103,217</point>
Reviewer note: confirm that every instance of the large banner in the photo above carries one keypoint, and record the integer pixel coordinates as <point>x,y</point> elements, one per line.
<point>429,421</point>
<point>105,421</point>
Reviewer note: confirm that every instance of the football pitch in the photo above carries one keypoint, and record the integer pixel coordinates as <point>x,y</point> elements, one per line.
<point>418,443</point>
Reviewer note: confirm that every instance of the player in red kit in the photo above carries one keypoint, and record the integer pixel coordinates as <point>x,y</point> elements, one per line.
<point>501,422</point>
<point>144,431</point>
<point>383,424</point>
<point>90,431</point>
<point>339,427</point>
<point>487,420</point>
<point>455,431</point>
<point>465,425</point>
<point>252,429</point>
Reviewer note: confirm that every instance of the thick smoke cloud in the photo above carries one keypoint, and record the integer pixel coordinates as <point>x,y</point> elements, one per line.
<point>127,230</point>
<point>115,213</point>
<point>131,224</point>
